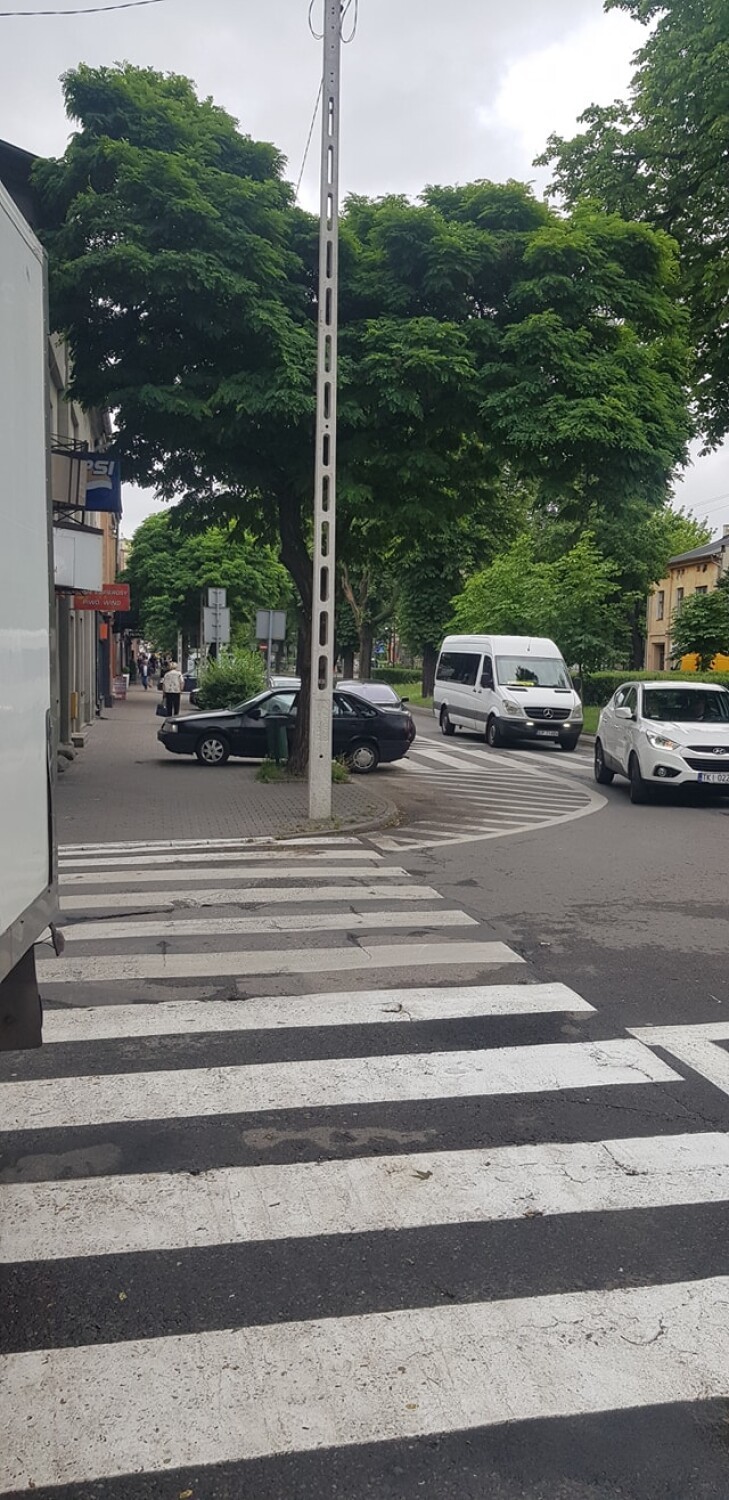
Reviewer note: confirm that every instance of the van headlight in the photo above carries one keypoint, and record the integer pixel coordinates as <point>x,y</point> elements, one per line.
<point>576,714</point>
<point>514,709</point>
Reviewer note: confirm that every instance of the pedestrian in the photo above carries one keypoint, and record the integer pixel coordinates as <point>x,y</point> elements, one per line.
<point>143,670</point>
<point>152,666</point>
<point>172,684</point>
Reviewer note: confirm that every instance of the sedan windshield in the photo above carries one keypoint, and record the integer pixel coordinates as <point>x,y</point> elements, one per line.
<point>532,671</point>
<point>687,705</point>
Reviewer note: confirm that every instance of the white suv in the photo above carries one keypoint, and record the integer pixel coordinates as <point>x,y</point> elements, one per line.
<point>664,734</point>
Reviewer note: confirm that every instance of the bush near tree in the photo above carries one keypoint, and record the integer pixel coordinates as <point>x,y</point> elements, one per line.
<point>700,627</point>
<point>235,676</point>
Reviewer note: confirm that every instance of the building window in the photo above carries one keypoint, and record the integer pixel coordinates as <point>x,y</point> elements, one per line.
<point>660,603</point>
<point>679,598</point>
<point>702,589</point>
<point>659,652</point>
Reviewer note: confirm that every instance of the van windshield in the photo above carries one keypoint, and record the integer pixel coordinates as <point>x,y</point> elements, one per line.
<point>532,671</point>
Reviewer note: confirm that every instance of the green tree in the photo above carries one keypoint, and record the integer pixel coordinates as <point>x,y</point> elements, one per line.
<point>477,329</point>
<point>700,627</point>
<point>571,600</point>
<point>168,570</point>
<point>661,156</point>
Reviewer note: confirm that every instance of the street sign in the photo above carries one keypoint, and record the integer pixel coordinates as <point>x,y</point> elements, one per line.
<point>216,626</point>
<point>271,625</point>
<point>112,596</point>
<point>217,598</point>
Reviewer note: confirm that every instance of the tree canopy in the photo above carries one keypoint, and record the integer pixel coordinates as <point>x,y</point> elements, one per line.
<point>478,329</point>
<point>700,627</point>
<point>661,156</point>
<point>168,571</point>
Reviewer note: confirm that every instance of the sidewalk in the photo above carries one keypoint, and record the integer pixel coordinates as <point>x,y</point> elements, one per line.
<point>123,785</point>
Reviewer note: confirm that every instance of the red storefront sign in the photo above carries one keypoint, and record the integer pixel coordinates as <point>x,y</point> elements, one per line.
<point>112,596</point>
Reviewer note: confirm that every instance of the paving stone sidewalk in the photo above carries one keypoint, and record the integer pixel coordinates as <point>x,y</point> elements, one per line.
<point>123,785</point>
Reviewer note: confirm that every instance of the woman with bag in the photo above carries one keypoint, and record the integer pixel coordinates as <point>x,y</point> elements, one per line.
<point>173,683</point>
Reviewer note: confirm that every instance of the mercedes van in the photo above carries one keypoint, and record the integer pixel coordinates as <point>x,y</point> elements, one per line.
<point>510,687</point>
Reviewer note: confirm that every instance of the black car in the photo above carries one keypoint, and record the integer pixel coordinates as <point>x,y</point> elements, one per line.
<point>362,734</point>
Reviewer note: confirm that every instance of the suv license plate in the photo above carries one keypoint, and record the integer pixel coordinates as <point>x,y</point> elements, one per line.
<point>550,734</point>
<point>715,777</point>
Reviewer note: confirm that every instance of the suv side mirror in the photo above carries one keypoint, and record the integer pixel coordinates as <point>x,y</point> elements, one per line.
<point>623,712</point>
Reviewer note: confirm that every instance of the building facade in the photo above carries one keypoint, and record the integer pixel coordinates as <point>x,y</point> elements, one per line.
<point>696,572</point>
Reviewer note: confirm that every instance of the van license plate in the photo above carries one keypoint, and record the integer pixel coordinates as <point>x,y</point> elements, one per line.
<point>547,734</point>
<point>715,777</point>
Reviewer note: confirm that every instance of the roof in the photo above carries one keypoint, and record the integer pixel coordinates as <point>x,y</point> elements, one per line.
<point>16,166</point>
<point>709,549</point>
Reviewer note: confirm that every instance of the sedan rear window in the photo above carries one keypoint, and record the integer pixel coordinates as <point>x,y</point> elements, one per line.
<point>686,705</point>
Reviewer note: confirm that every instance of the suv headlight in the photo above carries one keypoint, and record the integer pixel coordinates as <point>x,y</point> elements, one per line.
<point>515,709</point>
<point>661,741</point>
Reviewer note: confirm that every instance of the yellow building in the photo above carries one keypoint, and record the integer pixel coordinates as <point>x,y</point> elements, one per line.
<point>695,572</point>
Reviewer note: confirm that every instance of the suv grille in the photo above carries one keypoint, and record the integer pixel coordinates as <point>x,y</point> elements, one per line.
<point>706,760</point>
<point>553,714</point>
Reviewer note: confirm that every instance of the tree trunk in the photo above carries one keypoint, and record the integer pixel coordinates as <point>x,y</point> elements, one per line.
<point>348,664</point>
<point>430,659</point>
<point>637,639</point>
<point>365,652</point>
<point>295,557</point>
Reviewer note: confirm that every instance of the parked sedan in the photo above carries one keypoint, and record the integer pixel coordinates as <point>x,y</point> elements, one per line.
<point>664,734</point>
<point>362,733</point>
<point>374,692</point>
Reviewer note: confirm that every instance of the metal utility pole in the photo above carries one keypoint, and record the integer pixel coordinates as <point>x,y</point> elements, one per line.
<point>323,595</point>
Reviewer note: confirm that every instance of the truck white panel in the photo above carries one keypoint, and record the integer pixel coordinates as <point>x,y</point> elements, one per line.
<point>25,687</point>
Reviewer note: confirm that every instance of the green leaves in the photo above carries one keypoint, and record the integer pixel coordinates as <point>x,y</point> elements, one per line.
<point>700,627</point>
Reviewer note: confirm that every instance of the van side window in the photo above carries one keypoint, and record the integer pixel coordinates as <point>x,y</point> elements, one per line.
<point>458,666</point>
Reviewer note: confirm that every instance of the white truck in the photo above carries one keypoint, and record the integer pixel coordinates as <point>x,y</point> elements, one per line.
<point>27,845</point>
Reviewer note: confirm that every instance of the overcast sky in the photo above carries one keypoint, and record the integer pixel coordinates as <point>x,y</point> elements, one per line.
<point>433,91</point>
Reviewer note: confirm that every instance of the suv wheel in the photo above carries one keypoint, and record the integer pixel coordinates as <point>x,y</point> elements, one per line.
<point>603,774</point>
<point>212,750</point>
<point>363,758</point>
<point>445,724</point>
<point>639,789</point>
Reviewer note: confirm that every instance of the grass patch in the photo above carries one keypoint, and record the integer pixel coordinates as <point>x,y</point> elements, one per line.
<point>269,772</point>
<point>410,691</point>
<point>339,772</point>
<point>591,715</point>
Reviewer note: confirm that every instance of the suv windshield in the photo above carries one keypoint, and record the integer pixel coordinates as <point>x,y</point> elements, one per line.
<point>686,705</point>
<point>532,671</point>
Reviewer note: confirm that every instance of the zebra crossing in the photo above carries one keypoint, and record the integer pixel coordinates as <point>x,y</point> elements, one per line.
<point>469,793</point>
<point>273,1225</point>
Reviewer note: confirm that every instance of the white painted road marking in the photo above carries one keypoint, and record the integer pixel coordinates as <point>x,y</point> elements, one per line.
<point>343,1008</point>
<point>60,1103</point>
<point>274,856</point>
<point>247,896</point>
<point>237,1205</point>
<point>231,1395</point>
<point>699,1046</point>
<point>311,921</point>
<point>203,965</point>
<point>367,868</point>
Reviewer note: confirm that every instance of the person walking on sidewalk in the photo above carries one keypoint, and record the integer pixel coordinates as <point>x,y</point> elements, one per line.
<point>172,684</point>
<point>143,671</point>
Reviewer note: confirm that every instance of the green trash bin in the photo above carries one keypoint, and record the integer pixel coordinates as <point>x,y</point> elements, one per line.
<point>277,744</point>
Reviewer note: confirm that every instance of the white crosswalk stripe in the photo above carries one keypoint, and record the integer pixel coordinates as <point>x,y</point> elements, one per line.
<point>225,1221</point>
<point>484,795</point>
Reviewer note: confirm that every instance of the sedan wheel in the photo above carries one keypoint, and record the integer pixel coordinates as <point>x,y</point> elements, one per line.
<point>212,750</point>
<point>603,775</point>
<point>445,724</point>
<point>363,758</point>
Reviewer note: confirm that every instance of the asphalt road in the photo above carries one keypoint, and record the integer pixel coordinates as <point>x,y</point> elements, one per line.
<point>344,1173</point>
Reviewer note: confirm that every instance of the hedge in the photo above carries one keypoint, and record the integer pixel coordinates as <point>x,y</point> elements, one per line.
<point>396,674</point>
<point>598,687</point>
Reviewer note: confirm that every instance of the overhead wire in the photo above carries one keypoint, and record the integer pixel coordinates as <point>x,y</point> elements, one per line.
<point>83,10</point>
<point>308,139</point>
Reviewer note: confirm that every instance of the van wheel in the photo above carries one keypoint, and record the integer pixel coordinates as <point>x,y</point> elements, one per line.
<point>494,737</point>
<point>445,724</point>
<point>639,789</point>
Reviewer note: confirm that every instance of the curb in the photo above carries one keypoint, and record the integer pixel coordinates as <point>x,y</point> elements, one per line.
<point>388,818</point>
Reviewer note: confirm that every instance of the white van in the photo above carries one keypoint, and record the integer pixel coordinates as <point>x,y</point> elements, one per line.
<point>511,687</point>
